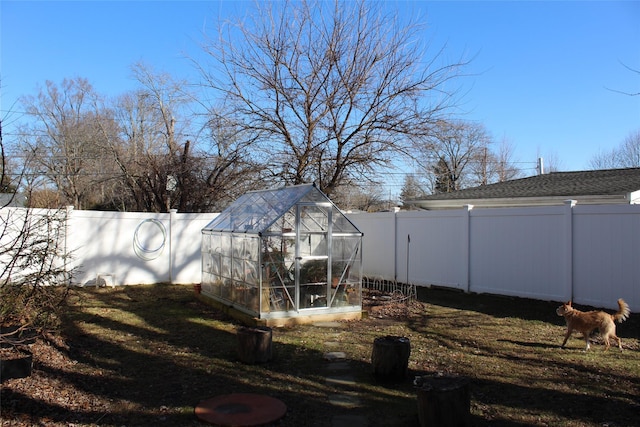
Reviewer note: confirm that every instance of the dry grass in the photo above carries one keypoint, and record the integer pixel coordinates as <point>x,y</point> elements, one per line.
<point>145,355</point>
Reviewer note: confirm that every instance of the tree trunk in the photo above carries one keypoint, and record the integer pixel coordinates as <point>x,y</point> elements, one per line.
<point>254,344</point>
<point>390,358</point>
<point>443,401</point>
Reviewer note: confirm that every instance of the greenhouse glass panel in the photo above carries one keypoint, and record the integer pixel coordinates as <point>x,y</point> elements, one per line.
<point>283,253</point>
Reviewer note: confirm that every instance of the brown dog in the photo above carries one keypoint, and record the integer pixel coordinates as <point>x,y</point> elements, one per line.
<point>586,322</point>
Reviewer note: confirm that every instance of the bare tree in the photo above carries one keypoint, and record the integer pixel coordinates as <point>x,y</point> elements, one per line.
<point>332,90</point>
<point>551,162</point>
<point>412,189</point>
<point>505,168</point>
<point>366,199</point>
<point>626,155</point>
<point>136,152</point>
<point>33,267</point>
<point>162,167</point>
<point>230,166</point>
<point>64,141</point>
<point>453,150</point>
<point>492,164</point>
<point>154,156</point>
<point>6,184</point>
<point>624,92</point>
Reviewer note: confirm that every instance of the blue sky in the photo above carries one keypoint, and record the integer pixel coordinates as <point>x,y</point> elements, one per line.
<point>544,74</point>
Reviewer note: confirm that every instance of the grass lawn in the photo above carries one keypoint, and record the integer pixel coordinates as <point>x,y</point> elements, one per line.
<point>146,355</point>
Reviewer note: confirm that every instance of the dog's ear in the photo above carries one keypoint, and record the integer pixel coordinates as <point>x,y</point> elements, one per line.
<point>569,303</point>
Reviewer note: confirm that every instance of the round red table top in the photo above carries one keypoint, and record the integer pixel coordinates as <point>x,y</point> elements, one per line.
<point>240,410</point>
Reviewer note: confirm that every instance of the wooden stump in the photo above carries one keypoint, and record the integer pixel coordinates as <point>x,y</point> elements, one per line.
<point>390,358</point>
<point>254,344</point>
<point>443,401</point>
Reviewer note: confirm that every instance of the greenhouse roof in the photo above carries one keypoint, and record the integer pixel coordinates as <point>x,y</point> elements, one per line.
<point>256,211</point>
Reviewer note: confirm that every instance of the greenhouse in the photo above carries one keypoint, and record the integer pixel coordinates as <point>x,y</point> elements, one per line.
<point>284,253</point>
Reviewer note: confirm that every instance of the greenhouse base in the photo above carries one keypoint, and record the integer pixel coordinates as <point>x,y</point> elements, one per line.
<point>249,320</point>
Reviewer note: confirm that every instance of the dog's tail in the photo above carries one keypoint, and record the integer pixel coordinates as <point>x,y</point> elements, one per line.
<point>623,311</point>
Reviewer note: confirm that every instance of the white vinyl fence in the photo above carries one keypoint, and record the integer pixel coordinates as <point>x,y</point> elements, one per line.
<point>590,254</point>
<point>124,248</point>
<point>136,248</point>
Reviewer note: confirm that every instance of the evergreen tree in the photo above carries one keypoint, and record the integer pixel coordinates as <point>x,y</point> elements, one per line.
<point>444,179</point>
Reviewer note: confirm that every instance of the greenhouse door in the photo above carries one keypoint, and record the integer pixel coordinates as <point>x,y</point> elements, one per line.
<point>313,259</point>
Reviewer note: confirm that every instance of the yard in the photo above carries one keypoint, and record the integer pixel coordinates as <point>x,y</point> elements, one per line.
<point>146,355</point>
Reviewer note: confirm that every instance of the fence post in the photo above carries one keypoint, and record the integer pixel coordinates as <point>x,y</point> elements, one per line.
<point>467,246</point>
<point>568,261</point>
<point>67,219</point>
<point>172,218</point>
<point>395,246</point>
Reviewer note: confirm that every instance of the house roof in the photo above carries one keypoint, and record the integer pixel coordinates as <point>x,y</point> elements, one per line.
<point>620,186</point>
<point>11,200</point>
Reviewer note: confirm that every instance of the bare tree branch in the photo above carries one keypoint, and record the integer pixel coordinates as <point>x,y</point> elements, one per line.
<point>624,92</point>
<point>331,90</point>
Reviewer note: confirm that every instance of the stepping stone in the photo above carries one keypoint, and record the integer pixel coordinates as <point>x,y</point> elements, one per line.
<point>340,379</point>
<point>345,400</point>
<point>335,355</point>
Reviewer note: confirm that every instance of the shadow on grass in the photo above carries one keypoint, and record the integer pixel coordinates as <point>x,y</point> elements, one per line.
<point>531,344</point>
<point>149,354</point>
<point>514,307</point>
<point>581,408</point>
<point>531,375</point>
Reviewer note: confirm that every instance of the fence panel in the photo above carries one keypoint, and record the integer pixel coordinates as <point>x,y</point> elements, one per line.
<point>186,239</point>
<point>378,243</point>
<point>432,248</point>
<point>121,247</point>
<point>519,252</point>
<point>607,255</point>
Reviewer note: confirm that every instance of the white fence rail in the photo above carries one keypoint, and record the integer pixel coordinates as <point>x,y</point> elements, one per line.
<point>590,254</point>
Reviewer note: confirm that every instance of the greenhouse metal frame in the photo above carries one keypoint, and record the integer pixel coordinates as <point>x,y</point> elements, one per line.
<point>283,253</point>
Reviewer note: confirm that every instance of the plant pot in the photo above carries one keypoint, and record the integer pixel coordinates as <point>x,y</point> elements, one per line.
<point>197,288</point>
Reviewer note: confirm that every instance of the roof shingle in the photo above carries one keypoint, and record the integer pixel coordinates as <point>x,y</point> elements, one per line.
<point>555,184</point>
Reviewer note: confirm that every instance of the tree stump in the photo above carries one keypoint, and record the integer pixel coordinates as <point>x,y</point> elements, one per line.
<point>443,401</point>
<point>254,344</point>
<point>390,358</point>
